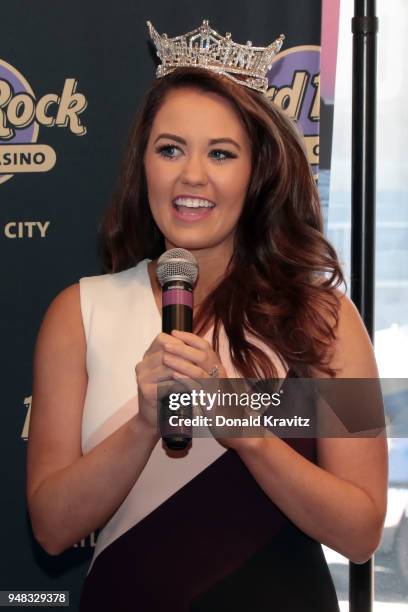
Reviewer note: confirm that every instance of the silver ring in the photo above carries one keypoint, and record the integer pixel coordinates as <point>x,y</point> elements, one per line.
<point>213,371</point>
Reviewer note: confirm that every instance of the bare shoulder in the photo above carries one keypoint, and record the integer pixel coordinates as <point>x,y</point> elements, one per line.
<point>64,312</point>
<point>59,386</point>
<point>353,354</point>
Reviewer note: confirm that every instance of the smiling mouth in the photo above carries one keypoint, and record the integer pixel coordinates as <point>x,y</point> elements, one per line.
<point>192,209</point>
<point>192,205</point>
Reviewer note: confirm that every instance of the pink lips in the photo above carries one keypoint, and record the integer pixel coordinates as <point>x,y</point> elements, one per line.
<point>192,214</point>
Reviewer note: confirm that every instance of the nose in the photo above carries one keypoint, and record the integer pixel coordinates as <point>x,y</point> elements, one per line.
<point>194,171</point>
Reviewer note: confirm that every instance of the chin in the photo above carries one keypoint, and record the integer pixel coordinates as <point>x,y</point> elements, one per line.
<point>190,243</point>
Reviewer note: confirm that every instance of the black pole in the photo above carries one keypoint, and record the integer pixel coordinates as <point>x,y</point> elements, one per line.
<point>364,28</point>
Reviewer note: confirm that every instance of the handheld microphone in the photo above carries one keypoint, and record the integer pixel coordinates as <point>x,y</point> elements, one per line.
<point>177,272</point>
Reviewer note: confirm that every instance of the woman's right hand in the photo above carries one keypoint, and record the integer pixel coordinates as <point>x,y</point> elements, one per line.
<point>149,372</point>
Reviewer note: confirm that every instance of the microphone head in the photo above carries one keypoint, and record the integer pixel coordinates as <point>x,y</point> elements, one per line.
<point>177,264</point>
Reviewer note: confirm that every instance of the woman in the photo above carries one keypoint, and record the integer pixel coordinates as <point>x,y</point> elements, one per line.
<point>235,524</point>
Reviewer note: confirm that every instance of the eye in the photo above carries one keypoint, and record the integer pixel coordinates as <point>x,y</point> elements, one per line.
<point>166,150</point>
<point>225,154</point>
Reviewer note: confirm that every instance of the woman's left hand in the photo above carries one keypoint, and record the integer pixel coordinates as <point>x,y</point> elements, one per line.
<point>194,358</point>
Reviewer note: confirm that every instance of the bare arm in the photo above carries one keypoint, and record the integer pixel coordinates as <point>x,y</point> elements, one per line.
<point>341,502</point>
<point>332,510</point>
<point>70,494</point>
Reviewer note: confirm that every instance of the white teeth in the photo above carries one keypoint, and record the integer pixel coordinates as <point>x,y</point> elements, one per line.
<point>193,203</point>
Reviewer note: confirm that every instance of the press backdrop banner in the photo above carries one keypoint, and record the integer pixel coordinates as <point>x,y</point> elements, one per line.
<point>328,65</point>
<point>72,75</point>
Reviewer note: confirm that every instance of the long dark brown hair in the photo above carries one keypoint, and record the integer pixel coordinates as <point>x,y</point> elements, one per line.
<point>279,287</point>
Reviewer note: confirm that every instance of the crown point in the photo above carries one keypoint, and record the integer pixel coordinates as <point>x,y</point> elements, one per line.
<point>228,35</point>
<point>205,23</point>
<point>249,43</point>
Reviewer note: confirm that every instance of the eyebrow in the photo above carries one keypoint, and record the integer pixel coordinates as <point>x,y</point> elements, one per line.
<point>211,142</point>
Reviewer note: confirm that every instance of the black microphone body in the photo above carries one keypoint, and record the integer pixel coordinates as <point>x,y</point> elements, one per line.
<point>177,272</point>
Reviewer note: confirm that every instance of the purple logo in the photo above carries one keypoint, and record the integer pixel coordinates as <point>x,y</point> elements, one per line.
<point>294,85</point>
<point>21,114</point>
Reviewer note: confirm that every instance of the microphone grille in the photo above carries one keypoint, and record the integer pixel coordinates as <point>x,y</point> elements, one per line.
<point>177,264</point>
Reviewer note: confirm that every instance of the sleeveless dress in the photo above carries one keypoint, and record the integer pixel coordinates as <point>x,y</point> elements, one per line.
<point>196,533</point>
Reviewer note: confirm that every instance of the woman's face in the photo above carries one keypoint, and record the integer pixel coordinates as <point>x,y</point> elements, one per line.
<point>198,165</point>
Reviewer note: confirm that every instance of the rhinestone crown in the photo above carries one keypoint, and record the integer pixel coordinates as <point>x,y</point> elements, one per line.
<point>205,48</point>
